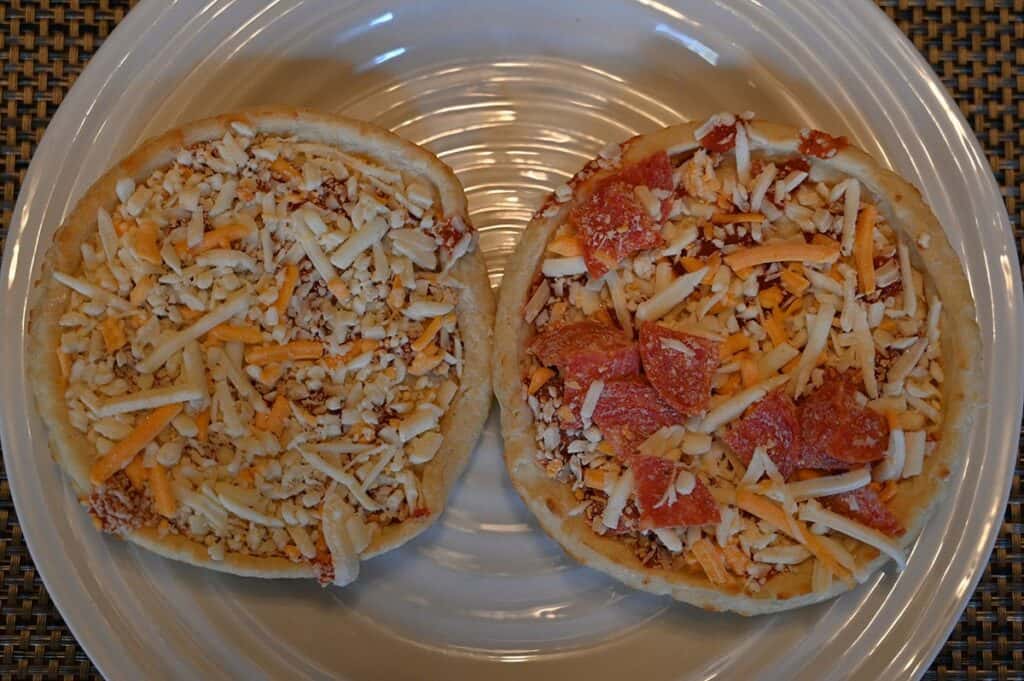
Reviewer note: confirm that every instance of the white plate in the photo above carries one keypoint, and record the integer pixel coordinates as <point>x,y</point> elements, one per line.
<point>515,96</point>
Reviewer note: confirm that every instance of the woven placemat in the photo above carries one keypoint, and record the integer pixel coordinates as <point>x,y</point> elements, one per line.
<point>976,47</point>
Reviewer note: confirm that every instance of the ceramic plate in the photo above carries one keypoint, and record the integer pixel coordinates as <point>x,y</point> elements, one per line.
<point>515,96</point>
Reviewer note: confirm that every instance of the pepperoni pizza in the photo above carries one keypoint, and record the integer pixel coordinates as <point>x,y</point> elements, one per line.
<point>743,364</point>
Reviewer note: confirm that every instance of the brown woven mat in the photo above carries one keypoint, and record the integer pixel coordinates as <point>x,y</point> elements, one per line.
<point>976,46</point>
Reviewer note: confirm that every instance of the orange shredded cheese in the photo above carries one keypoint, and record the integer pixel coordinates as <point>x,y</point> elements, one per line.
<point>136,471</point>
<point>146,246</point>
<point>122,226</point>
<point>338,288</point>
<point>188,314</point>
<point>428,334</point>
<point>712,263</point>
<point>285,168</point>
<point>284,294</point>
<point>227,333</point>
<point>270,373</point>
<point>273,421</point>
<point>749,372</point>
<point>775,329</point>
<point>163,497</point>
<point>771,512</point>
<point>770,297</point>
<point>141,290</point>
<point>729,218</point>
<point>122,453</point>
<point>864,248</point>
<point>733,344</point>
<point>281,352</point>
<point>783,252</point>
<point>223,236</point>
<point>793,281</point>
<point>112,329</point>
<point>711,558</point>
<point>203,425</point>
<point>540,376</point>
<point>691,264</point>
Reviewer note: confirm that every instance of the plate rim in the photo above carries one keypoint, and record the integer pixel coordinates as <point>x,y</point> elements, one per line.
<point>148,10</point>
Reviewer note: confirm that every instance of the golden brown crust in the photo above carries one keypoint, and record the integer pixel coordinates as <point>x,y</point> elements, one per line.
<point>550,501</point>
<point>462,424</point>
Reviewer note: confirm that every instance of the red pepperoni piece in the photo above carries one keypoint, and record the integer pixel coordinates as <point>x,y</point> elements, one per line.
<point>654,172</point>
<point>865,506</point>
<point>821,144</point>
<point>630,411</point>
<point>720,138</point>
<point>834,425</point>
<point>612,223</point>
<point>584,352</point>
<point>791,164</point>
<point>682,378</point>
<point>652,476</point>
<point>771,423</point>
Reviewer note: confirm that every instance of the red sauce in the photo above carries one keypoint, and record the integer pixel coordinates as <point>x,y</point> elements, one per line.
<point>720,138</point>
<point>821,144</point>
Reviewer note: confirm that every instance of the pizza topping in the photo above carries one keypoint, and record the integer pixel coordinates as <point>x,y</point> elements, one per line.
<point>679,366</point>
<point>772,423</point>
<point>865,506</point>
<point>614,222</point>
<point>820,144</point>
<point>833,423</point>
<point>790,355</point>
<point>661,504</point>
<point>629,412</point>
<point>256,298</point>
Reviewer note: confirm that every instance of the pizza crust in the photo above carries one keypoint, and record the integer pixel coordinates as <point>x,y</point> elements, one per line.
<point>463,421</point>
<point>551,501</point>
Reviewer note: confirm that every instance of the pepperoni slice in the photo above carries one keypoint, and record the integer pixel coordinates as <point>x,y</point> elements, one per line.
<point>630,411</point>
<point>865,506</point>
<point>654,172</point>
<point>584,352</point>
<point>834,425</point>
<point>652,476</point>
<point>680,366</point>
<point>612,223</point>
<point>720,138</point>
<point>821,144</point>
<point>791,164</point>
<point>772,423</point>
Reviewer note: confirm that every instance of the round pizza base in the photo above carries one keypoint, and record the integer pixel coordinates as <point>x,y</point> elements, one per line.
<point>461,424</point>
<point>902,205</point>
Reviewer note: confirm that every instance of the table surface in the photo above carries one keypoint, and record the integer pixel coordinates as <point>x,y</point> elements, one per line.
<point>975,46</point>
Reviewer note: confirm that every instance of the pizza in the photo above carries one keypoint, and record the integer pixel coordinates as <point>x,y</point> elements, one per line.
<point>740,362</point>
<point>261,344</point>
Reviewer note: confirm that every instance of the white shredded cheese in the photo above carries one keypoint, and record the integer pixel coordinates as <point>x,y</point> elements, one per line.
<point>669,538</point>
<point>590,400</point>
<point>563,267</point>
<point>851,205</point>
<point>830,484</point>
<point>864,346</point>
<point>336,472</point>
<point>817,337</point>
<point>737,404</point>
<point>815,513</point>
<point>149,399</point>
<point>662,303</point>
<point>335,524</point>
<point>618,295</point>
<point>617,499</point>
<point>237,303</point>
<point>915,443</point>
<point>891,467</point>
